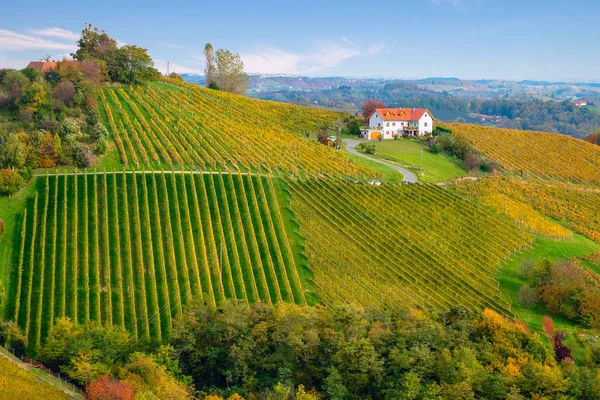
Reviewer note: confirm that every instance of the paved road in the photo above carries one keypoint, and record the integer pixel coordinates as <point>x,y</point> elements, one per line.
<point>351,148</point>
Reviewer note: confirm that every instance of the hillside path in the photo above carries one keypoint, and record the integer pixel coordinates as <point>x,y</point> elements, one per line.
<point>351,148</point>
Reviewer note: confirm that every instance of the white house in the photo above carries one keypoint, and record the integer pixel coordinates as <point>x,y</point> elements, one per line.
<point>391,122</point>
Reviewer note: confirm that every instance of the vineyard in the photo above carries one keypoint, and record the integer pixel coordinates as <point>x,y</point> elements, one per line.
<point>164,125</point>
<point>540,154</point>
<point>410,245</point>
<point>133,248</point>
<point>501,197</point>
<point>574,206</point>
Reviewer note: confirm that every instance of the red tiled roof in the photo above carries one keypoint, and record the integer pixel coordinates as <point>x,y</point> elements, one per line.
<point>401,114</point>
<point>42,66</point>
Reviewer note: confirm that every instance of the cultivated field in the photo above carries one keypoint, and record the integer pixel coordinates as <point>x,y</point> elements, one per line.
<point>412,245</point>
<point>161,125</point>
<point>132,249</point>
<point>541,154</point>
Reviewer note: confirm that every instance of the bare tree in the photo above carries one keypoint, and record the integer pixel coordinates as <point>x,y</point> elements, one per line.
<point>46,58</point>
<point>369,106</point>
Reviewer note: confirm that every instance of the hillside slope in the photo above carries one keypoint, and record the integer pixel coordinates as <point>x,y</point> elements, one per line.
<point>162,125</point>
<point>541,154</point>
<point>89,253</point>
<point>406,245</point>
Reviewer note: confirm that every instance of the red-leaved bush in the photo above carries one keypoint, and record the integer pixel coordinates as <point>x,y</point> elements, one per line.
<point>109,388</point>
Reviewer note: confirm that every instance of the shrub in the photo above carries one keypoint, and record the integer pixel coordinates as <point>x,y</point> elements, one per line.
<point>84,156</point>
<point>527,296</point>
<point>489,165</point>
<point>471,161</point>
<point>98,132</point>
<point>70,130</point>
<point>561,351</point>
<point>109,388</point>
<point>370,149</point>
<point>10,181</point>
<point>12,337</point>
<point>64,91</point>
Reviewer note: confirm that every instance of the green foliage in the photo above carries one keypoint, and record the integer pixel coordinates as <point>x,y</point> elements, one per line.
<point>225,71</point>
<point>12,153</point>
<point>10,181</point>
<point>132,64</point>
<point>347,353</point>
<point>70,131</point>
<point>98,132</point>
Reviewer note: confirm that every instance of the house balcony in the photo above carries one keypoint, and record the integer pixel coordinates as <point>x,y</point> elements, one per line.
<point>411,128</point>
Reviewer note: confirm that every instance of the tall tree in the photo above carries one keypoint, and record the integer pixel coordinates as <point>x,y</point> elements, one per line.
<point>94,44</point>
<point>369,106</point>
<point>210,69</point>
<point>230,72</point>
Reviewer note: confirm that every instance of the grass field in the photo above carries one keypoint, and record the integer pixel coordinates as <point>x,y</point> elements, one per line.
<point>410,245</point>
<point>91,253</point>
<point>407,153</point>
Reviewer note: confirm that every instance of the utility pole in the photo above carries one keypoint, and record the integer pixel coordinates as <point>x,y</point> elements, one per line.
<point>167,69</point>
<point>421,161</point>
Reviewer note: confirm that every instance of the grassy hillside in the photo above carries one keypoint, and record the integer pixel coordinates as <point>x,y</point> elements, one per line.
<point>162,125</point>
<point>412,245</point>
<point>132,249</point>
<point>19,383</point>
<point>540,154</point>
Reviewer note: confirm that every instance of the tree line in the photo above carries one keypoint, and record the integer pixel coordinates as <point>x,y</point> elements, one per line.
<point>285,351</point>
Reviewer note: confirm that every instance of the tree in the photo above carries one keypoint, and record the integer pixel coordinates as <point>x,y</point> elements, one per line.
<point>48,153</point>
<point>46,58</point>
<point>35,98</point>
<point>471,161</point>
<point>10,181</point>
<point>210,70</point>
<point>94,44</point>
<point>353,126</point>
<point>64,91</point>
<point>109,388</point>
<point>12,154</point>
<point>229,72</point>
<point>368,107</point>
<point>132,65</point>
<point>176,76</point>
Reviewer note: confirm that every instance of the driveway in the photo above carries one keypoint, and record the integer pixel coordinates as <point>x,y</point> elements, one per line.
<point>351,148</point>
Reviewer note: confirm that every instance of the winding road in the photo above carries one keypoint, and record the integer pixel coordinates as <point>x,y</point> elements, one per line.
<point>351,148</point>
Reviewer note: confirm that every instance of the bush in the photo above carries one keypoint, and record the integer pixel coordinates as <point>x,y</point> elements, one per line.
<point>471,161</point>
<point>70,130</point>
<point>84,156</point>
<point>64,91</point>
<point>489,165</point>
<point>98,132</point>
<point>109,388</point>
<point>10,181</point>
<point>12,337</point>
<point>527,296</point>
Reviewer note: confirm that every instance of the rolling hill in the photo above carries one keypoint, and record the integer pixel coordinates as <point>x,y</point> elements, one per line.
<point>163,125</point>
<point>538,154</point>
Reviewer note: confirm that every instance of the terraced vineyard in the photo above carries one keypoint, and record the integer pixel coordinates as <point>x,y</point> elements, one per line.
<point>411,245</point>
<point>132,249</point>
<point>535,153</point>
<point>162,125</point>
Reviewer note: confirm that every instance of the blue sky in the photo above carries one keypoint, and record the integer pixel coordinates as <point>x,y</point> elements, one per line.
<point>471,39</point>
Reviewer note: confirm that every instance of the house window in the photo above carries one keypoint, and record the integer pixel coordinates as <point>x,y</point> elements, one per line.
<point>387,124</point>
<point>393,124</point>
<point>425,123</point>
<point>401,123</point>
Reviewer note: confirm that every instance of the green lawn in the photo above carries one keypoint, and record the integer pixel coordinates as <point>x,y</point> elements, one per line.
<point>407,153</point>
<point>510,278</point>
<point>381,172</point>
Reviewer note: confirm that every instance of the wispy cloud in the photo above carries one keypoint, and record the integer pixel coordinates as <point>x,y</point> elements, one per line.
<point>56,32</point>
<point>175,46</point>
<point>375,49</point>
<point>161,65</point>
<point>15,41</point>
<point>325,55</point>
<point>462,5</point>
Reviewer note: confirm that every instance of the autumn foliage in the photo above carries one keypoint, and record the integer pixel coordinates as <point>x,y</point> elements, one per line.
<point>108,388</point>
<point>368,107</point>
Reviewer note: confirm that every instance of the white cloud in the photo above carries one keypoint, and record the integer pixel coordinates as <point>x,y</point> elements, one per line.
<point>56,32</point>
<point>15,41</point>
<point>270,60</point>
<point>161,65</point>
<point>375,49</point>
<point>175,46</point>
<point>458,4</point>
